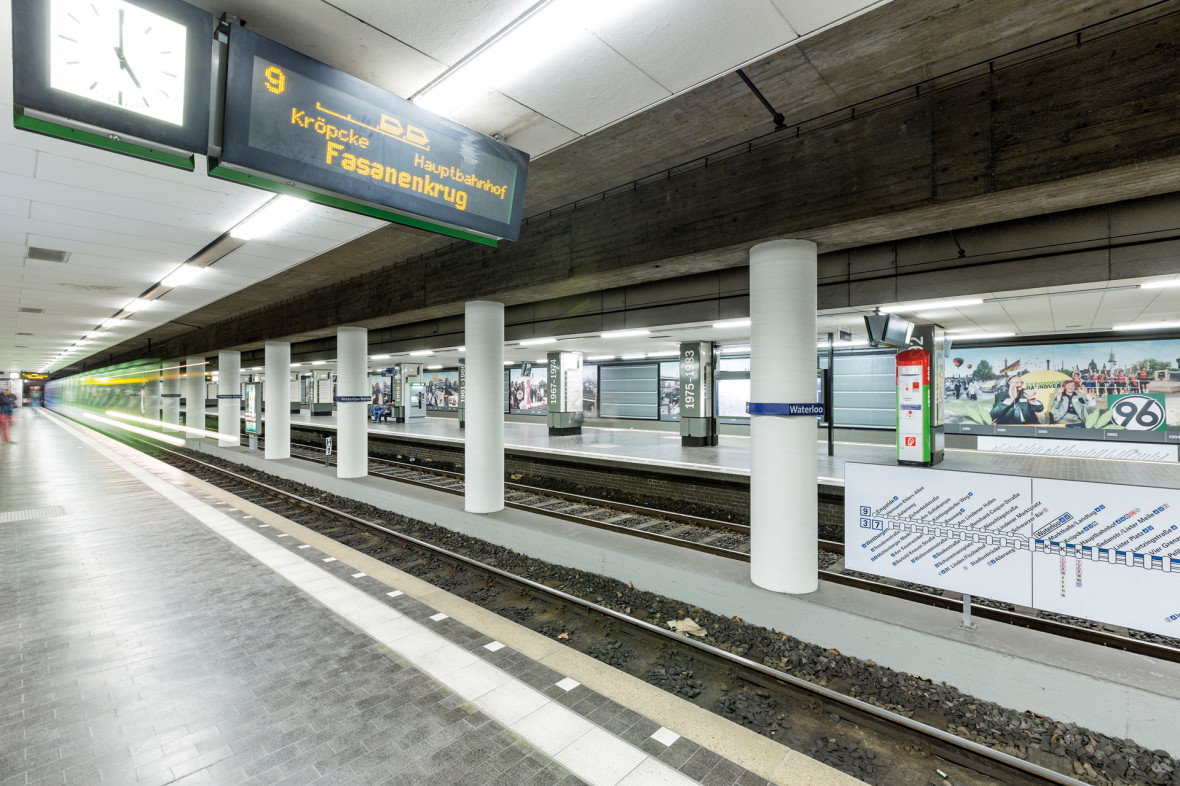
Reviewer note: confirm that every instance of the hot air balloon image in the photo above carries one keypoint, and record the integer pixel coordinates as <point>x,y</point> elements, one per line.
<point>958,362</point>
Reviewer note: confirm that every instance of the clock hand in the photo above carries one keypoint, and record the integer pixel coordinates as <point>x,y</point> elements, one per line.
<point>127,66</point>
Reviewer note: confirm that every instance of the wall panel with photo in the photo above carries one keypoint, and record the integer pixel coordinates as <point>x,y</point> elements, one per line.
<point>1083,389</point>
<point>442,390</point>
<point>526,390</point>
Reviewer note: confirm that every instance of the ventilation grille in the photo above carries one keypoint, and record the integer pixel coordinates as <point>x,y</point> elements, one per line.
<point>24,334</point>
<point>24,310</point>
<point>47,255</point>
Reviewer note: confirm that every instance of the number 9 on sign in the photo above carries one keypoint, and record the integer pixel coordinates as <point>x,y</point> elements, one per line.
<point>276,80</point>
<point>1137,413</point>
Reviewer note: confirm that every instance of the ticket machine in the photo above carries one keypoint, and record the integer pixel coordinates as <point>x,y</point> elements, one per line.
<point>920,436</point>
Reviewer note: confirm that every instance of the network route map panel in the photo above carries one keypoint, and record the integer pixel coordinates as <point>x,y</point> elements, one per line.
<point>1099,551</point>
<point>296,121</point>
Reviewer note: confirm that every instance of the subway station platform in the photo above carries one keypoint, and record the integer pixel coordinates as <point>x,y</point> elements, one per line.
<point>158,630</point>
<point>1121,694</point>
<point>730,459</point>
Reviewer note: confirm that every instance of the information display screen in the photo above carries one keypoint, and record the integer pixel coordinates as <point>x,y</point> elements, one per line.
<point>294,119</point>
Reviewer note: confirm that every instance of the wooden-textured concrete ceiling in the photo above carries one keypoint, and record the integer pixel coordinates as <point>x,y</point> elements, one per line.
<point>868,62</point>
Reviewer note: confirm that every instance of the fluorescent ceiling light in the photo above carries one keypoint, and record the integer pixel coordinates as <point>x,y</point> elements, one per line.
<point>433,368</point>
<point>110,323</point>
<point>668,354</point>
<point>626,333</point>
<point>318,362</point>
<point>601,357</point>
<point>136,305</point>
<point>272,217</point>
<point>509,362</point>
<point>181,276</point>
<point>526,47</point>
<point>838,344</point>
<point>633,356</point>
<point>92,334</point>
<point>931,305</point>
<point>970,336</point>
<point>1148,326</point>
<point>534,342</point>
<point>461,349</point>
<point>378,357</point>
<point>542,361</point>
<point>421,352</point>
<point>295,365</point>
<point>734,350</point>
<point>732,323</point>
<point>1174,282</point>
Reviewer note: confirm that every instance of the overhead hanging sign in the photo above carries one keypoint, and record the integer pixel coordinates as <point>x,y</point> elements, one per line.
<point>291,122</point>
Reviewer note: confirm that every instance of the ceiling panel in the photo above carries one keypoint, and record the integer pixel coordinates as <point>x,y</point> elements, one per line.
<point>807,16</point>
<point>126,226</point>
<point>520,126</point>
<point>449,31</point>
<point>332,36</point>
<point>680,43</point>
<point>588,86</point>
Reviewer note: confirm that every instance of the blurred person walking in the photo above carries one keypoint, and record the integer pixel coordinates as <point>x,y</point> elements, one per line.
<point>7,406</point>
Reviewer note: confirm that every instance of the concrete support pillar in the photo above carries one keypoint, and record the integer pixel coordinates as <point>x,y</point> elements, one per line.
<point>352,434</point>
<point>170,396</point>
<point>229,399</point>
<point>783,510</point>
<point>194,395</point>
<point>484,451</point>
<point>276,397</point>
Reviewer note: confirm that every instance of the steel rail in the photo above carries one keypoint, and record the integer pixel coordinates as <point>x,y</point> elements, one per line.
<point>958,748</point>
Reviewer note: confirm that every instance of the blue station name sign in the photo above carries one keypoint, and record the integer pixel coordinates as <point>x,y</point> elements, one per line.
<point>787,410</point>
<point>293,121</point>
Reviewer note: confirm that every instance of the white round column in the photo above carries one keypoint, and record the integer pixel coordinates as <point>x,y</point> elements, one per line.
<point>276,397</point>
<point>483,332</point>
<point>194,395</point>
<point>170,396</point>
<point>784,513</point>
<point>352,433</point>
<point>229,410</point>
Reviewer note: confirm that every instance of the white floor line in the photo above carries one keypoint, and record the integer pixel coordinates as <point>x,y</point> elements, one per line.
<point>585,749</point>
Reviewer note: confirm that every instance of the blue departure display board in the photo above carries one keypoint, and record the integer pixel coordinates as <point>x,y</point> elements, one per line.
<point>293,121</point>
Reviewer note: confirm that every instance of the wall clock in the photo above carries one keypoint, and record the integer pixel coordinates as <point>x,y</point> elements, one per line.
<point>128,75</point>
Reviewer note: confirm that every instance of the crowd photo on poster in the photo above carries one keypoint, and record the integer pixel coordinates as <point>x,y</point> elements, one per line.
<point>1131,385</point>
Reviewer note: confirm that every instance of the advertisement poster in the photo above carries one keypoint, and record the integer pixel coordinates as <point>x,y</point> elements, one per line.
<point>670,390</point>
<point>381,390</point>
<point>590,390</point>
<point>1128,386</point>
<point>526,391</point>
<point>442,390</point>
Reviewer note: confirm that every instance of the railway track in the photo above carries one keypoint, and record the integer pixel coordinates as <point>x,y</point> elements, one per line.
<point>865,740</point>
<point>732,541</point>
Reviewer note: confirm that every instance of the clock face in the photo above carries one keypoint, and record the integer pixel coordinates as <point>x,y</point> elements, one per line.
<point>118,54</point>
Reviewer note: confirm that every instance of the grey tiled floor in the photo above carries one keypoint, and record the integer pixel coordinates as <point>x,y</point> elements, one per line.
<point>139,648</point>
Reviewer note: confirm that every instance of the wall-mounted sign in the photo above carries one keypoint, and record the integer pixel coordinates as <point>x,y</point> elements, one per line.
<point>130,76</point>
<point>1094,550</point>
<point>807,409</point>
<point>33,376</point>
<point>291,121</point>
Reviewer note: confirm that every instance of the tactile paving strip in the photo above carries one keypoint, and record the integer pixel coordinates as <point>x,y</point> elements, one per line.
<point>9,516</point>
